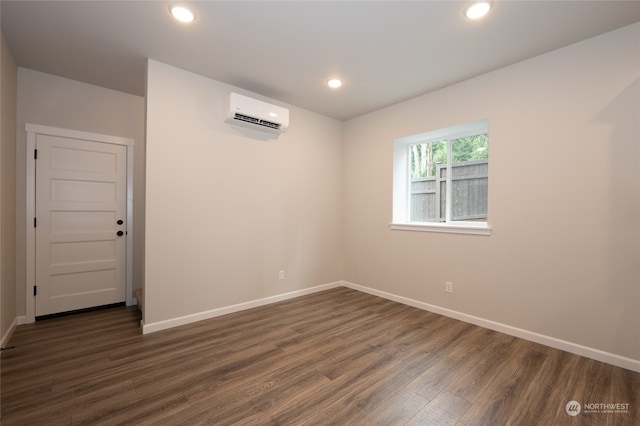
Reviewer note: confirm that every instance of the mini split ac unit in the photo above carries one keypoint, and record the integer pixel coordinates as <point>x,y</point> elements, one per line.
<point>247,112</point>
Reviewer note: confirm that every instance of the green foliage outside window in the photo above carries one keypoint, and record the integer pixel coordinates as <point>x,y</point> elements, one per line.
<point>425,156</point>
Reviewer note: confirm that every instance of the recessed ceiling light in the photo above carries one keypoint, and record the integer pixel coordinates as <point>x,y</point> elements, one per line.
<point>182,14</point>
<point>334,83</point>
<point>477,9</point>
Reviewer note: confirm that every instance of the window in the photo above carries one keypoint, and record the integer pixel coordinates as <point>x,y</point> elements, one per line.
<point>441,180</point>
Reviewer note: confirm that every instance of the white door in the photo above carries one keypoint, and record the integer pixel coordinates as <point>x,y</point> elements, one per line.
<point>80,224</point>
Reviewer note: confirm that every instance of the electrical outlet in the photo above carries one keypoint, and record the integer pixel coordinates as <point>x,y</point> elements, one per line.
<point>448,286</point>
<point>281,275</point>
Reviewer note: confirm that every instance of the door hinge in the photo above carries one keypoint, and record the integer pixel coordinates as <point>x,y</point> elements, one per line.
<point>35,290</point>
<point>35,222</point>
<point>35,154</point>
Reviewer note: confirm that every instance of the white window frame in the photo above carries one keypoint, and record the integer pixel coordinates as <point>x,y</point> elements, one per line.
<point>402,181</point>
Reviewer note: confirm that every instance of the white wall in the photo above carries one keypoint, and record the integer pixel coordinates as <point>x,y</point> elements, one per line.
<point>563,259</point>
<point>227,209</point>
<point>8,94</point>
<point>49,100</point>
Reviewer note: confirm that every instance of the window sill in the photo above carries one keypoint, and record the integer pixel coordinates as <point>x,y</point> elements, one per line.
<point>450,228</point>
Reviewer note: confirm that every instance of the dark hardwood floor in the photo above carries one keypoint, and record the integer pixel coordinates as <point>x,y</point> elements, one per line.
<point>339,357</point>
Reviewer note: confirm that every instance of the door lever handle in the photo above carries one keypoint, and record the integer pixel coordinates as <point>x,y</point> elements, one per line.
<point>120,233</point>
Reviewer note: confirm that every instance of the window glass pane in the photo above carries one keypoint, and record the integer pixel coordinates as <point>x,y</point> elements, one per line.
<point>470,148</point>
<point>442,178</point>
<point>426,160</point>
<point>469,178</point>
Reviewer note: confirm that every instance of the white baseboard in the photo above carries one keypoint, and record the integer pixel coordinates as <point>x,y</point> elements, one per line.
<point>609,358</point>
<point>187,319</point>
<point>7,336</point>
<point>598,355</point>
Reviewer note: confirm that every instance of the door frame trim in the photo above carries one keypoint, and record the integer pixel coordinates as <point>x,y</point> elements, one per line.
<point>32,131</point>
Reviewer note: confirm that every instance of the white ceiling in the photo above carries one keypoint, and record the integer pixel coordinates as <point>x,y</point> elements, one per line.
<point>385,51</point>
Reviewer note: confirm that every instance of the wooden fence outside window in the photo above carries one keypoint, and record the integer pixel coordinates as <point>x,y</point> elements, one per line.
<point>469,193</point>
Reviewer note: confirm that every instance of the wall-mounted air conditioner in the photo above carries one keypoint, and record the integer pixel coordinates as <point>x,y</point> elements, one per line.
<point>248,112</point>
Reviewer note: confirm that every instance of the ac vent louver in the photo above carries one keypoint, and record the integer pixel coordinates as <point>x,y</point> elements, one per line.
<point>256,121</point>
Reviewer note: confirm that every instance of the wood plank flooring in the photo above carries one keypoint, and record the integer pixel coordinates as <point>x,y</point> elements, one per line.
<point>339,357</point>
